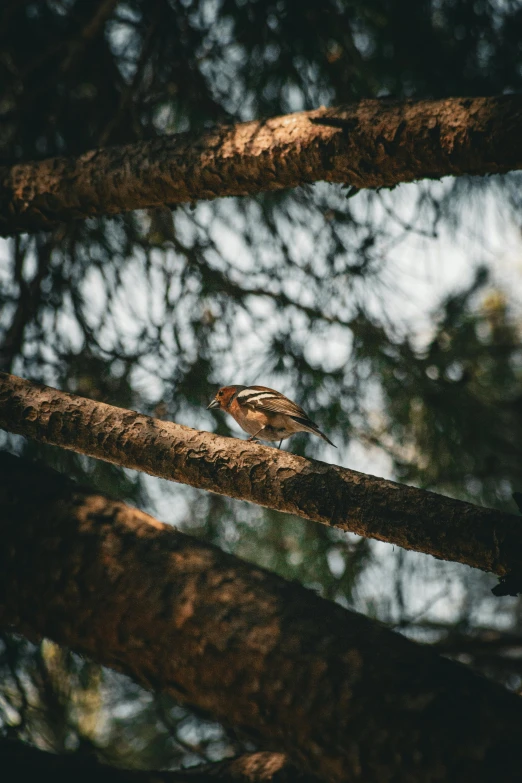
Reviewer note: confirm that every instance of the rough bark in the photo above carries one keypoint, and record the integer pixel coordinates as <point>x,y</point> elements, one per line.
<point>344,697</point>
<point>21,763</point>
<point>411,518</point>
<point>374,143</point>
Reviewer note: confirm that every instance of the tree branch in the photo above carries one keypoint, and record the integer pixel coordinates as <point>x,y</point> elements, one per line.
<point>344,697</point>
<point>411,518</point>
<point>28,764</point>
<point>371,144</point>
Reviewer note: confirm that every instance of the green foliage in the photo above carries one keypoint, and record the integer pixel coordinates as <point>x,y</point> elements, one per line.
<point>455,407</point>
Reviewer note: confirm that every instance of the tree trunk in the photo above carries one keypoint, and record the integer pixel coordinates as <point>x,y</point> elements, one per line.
<point>369,506</point>
<point>345,698</point>
<point>371,144</point>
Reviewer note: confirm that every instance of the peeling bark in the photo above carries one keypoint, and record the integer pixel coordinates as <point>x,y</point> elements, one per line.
<point>374,143</point>
<point>372,507</point>
<point>342,696</point>
<point>28,764</point>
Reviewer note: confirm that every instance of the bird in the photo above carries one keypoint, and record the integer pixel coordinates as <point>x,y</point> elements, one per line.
<point>265,413</point>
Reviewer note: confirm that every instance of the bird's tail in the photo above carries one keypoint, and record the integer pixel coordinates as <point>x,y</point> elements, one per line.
<point>323,436</point>
<point>310,426</point>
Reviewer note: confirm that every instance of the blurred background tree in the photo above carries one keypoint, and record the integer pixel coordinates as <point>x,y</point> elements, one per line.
<point>394,318</point>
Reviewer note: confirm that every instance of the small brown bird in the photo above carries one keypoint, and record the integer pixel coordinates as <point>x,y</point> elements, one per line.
<point>265,413</point>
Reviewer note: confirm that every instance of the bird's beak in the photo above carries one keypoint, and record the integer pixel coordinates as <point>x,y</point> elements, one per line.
<point>213,404</point>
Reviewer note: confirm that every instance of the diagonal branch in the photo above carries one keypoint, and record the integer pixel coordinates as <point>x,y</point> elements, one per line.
<point>29,764</point>
<point>371,144</point>
<point>344,697</point>
<point>369,506</point>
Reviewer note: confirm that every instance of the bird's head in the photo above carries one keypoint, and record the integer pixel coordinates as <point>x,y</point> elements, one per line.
<point>223,397</point>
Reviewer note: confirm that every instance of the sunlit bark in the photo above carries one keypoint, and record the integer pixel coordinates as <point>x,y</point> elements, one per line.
<point>335,496</point>
<point>342,696</point>
<point>371,144</point>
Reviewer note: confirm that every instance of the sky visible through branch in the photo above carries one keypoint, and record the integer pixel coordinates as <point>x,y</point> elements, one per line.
<point>372,312</point>
<point>422,263</point>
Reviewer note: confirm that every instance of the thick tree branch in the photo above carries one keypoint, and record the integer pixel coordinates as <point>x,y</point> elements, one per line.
<point>344,697</point>
<point>372,507</point>
<point>28,764</point>
<point>375,143</point>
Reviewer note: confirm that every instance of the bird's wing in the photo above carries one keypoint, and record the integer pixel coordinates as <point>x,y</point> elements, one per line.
<point>261,398</point>
<point>265,399</point>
